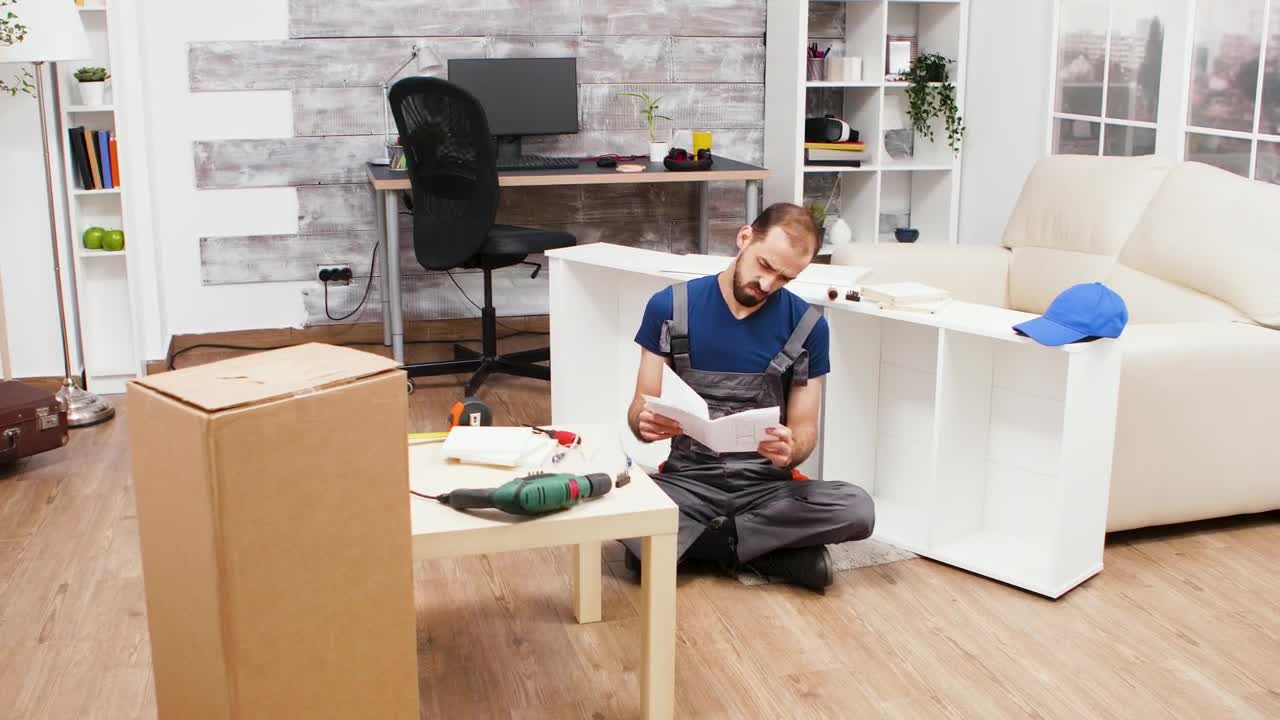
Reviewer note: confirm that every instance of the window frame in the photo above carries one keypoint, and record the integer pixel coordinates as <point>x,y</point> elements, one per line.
<point>1056,116</point>
<point>1186,129</point>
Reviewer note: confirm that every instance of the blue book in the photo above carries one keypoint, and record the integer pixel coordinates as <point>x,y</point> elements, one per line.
<point>104,158</point>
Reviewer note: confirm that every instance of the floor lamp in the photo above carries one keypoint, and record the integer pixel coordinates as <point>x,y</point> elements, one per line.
<point>54,32</point>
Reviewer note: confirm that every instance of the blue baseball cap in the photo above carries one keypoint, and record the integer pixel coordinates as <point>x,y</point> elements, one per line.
<point>1088,310</point>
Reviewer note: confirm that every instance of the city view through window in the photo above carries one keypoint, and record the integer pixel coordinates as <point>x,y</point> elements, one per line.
<point>1108,72</point>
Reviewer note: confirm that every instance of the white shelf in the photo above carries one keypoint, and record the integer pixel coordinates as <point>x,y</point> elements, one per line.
<point>844,83</point>
<point>838,168</point>
<point>108,310</point>
<point>916,167</point>
<point>922,190</point>
<point>90,253</point>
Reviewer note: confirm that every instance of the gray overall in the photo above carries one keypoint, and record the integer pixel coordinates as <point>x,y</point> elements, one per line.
<point>770,509</point>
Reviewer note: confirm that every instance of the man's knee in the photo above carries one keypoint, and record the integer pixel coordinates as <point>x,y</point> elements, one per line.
<point>856,508</point>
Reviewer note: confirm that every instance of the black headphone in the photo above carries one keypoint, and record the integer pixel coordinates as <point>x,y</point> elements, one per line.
<point>680,159</point>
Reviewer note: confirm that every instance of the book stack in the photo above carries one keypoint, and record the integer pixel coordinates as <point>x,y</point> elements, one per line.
<point>97,161</point>
<point>910,296</point>
<point>848,153</point>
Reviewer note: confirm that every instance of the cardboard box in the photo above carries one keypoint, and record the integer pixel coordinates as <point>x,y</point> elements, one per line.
<point>273,512</point>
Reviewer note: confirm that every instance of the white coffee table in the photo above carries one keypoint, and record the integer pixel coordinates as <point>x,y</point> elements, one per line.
<point>640,509</point>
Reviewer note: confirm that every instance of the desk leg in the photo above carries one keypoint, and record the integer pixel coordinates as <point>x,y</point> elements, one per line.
<point>381,233</point>
<point>658,585</point>
<point>753,200</point>
<point>704,217</point>
<point>586,582</point>
<point>392,221</point>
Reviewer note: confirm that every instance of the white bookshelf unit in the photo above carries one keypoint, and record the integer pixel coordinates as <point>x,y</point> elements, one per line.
<point>107,304</point>
<point>883,192</point>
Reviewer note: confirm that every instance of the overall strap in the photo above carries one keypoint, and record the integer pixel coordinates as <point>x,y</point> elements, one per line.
<point>793,355</point>
<point>678,338</point>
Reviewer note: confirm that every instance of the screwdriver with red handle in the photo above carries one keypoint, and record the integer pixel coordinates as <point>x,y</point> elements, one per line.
<point>563,437</point>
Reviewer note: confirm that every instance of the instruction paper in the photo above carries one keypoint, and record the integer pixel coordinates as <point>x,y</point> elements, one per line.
<point>740,432</point>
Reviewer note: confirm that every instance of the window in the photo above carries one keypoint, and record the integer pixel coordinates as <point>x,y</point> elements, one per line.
<point>1107,76</point>
<point>1233,116</point>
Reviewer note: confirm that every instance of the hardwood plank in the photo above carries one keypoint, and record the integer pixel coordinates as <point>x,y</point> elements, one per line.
<point>390,18</point>
<point>295,64</point>
<point>283,258</point>
<point>826,19</point>
<point>335,208</point>
<point>284,161</point>
<point>358,111</point>
<point>601,59</point>
<point>704,105</point>
<point>705,59</point>
<point>674,17</point>
<point>1181,623</point>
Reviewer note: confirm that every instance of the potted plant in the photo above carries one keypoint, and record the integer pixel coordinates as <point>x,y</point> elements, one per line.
<point>819,215</point>
<point>931,95</point>
<point>12,32</point>
<point>657,150</point>
<point>92,85</point>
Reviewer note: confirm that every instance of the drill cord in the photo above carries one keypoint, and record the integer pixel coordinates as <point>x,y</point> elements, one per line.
<point>424,495</point>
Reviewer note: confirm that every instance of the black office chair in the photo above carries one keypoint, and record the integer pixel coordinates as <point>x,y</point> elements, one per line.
<point>452,170</point>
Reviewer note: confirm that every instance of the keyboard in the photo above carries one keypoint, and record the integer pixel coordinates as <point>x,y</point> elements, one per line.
<point>539,162</point>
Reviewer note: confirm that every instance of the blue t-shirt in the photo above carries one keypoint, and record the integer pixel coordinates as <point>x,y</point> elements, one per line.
<point>720,342</point>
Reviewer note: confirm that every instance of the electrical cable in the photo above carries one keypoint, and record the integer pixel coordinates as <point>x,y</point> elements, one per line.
<point>424,495</point>
<point>367,287</point>
<point>481,309</point>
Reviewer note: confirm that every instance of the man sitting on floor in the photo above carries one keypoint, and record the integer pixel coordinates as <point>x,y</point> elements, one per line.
<point>743,341</point>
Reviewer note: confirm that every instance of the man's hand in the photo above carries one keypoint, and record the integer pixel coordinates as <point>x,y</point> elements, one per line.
<point>780,447</point>
<point>654,427</point>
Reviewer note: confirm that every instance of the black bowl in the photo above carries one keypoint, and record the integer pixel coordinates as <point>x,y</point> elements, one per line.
<point>907,235</point>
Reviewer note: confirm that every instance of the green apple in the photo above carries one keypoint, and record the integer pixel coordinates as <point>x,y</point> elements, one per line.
<point>93,237</point>
<point>114,240</point>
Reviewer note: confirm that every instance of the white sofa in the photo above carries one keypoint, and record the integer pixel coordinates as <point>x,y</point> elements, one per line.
<point>1195,253</point>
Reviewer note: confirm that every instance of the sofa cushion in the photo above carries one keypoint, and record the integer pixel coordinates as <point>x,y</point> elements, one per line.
<point>1083,204</point>
<point>971,273</point>
<point>1152,300</point>
<point>1037,275</point>
<point>1215,233</point>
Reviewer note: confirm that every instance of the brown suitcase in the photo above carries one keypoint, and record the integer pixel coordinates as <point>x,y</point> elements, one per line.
<point>31,421</point>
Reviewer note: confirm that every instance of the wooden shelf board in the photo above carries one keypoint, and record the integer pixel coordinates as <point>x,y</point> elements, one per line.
<point>90,108</point>
<point>81,191</point>
<point>923,167</point>
<point>844,83</point>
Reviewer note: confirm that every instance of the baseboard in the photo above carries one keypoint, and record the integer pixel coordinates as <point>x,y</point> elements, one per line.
<point>370,333</point>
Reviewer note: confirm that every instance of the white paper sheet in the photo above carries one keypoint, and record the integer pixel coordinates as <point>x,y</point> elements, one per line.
<point>505,446</point>
<point>740,432</point>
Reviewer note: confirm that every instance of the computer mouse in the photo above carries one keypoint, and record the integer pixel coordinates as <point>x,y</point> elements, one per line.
<point>606,162</point>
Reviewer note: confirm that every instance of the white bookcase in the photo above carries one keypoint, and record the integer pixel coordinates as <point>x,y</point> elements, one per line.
<point>923,188</point>
<point>107,303</point>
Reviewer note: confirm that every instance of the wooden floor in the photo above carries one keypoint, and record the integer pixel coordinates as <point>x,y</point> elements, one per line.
<point>1182,623</point>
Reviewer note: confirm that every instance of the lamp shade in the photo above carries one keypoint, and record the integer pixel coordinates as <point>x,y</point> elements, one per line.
<point>54,32</point>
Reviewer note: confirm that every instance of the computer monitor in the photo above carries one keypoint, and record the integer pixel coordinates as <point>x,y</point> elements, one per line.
<point>522,96</point>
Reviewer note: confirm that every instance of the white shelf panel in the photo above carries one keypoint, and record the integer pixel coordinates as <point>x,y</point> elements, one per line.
<point>90,108</point>
<point>838,168</point>
<point>844,83</point>
<point>912,167</point>
<point>89,253</point>
<point>82,191</point>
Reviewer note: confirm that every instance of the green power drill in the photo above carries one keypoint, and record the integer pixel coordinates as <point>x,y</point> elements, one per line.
<point>536,494</point>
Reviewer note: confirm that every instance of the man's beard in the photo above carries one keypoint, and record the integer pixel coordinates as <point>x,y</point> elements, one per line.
<point>743,296</point>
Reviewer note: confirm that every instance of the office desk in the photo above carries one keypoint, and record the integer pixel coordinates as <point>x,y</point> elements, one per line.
<point>386,181</point>
<point>981,448</point>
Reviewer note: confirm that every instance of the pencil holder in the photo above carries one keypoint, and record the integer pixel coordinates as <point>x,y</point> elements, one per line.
<point>817,68</point>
